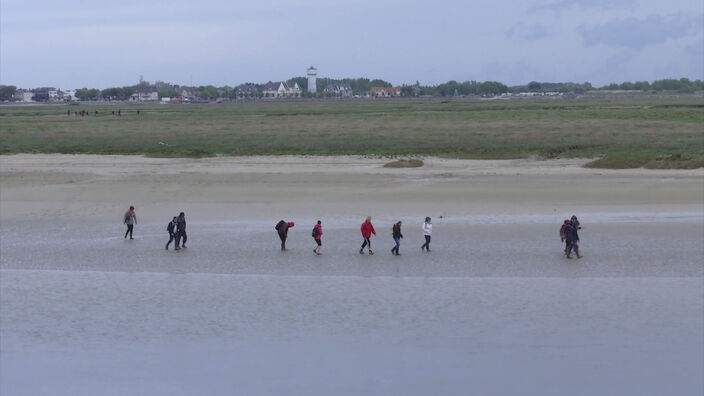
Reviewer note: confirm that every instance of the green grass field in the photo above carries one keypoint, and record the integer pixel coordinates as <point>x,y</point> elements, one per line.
<point>652,133</point>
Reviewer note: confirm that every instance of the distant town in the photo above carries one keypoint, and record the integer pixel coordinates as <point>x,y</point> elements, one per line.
<point>311,86</point>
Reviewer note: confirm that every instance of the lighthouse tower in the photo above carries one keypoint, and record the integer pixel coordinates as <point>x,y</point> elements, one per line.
<point>312,73</point>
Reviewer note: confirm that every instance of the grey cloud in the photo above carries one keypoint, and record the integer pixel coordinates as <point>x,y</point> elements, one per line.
<point>532,32</point>
<point>560,5</point>
<point>639,33</point>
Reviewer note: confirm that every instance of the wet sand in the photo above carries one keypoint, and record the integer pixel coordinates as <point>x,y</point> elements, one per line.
<point>495,308</point>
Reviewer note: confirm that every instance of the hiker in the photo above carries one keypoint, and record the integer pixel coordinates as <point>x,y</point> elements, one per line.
<point>573,237</point>
<point>282,229</point>
<point>367,231</point>
<point>130,219</point>
<point>171,229</point>
<point>427,231</point>
<point>396,234</point>
<point>563,234</point>
<point>317,234</point>
<point>181,236</point>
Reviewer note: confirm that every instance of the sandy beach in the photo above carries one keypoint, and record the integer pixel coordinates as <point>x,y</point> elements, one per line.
<point>495,300</point>
<point>98,188</point>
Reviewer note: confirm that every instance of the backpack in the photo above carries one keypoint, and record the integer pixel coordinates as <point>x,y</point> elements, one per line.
<point>314,234</point>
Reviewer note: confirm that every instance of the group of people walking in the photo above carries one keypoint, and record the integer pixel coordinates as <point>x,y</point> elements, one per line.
<point>176,228</point>
<point>367,230</point>
<point>177,233</point>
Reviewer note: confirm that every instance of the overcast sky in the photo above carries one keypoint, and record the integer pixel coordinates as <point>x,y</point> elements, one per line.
<point>95,43</point>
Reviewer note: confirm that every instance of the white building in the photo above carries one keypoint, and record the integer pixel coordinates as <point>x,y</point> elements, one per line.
<point>23,95</point>
<point>70,94</point>
<point>281,89</point>
<point>145,93</point>
<point>339,89</point>
<point>312,74</point>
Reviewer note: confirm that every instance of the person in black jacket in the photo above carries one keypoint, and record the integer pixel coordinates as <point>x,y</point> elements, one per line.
<point>171,229</point>
<point>573,237</point>
<point>396,233</point>
<point>282,229</point>
<point>181,236</point>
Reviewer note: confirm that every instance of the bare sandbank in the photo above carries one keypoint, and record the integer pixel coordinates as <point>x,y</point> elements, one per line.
<point>97,188</point>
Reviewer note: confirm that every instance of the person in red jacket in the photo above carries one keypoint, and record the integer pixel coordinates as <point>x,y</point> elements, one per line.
<point>317,234</point>
<point>367,231</point>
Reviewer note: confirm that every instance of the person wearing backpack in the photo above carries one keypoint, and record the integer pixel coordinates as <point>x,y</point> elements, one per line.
<point>171,229</point>
<point>563,235</point>
<point>282,229</point>
<point>130,219</point>
<point>427,232</point>
<point>396,234</point>
<point>367,230</point>
<point>317,235</point>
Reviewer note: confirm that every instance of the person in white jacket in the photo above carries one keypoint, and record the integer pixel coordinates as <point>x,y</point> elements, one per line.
<point>427,231</point>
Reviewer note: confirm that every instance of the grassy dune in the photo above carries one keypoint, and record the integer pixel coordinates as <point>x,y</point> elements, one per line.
<point>653,133</point>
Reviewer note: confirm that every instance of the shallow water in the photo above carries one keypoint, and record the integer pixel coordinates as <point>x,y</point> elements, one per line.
<point>140,333</point>
<point>663,249</point>
<point>494,309</point>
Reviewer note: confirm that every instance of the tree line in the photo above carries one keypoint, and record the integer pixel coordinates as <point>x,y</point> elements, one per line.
<point>683,85</point>
<point>361,86</point>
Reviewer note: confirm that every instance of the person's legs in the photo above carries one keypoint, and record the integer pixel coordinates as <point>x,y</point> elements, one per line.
<point>426,245</point>
<point>397,242</point>
<point>127,231</point>
<point>283,241</point>
<point>367,242</point>
<point>185,238</point>
<point>171,239</point>
<point>317,248</point>
<point>130,227</point>
<point>177,242</point>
